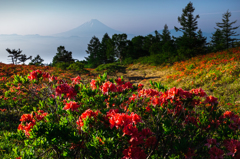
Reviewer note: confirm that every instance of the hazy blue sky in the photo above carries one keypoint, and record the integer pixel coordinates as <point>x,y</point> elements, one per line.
<point>46,17</point>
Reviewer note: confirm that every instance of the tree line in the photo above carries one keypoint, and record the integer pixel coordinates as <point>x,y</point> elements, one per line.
<point>163,48</point>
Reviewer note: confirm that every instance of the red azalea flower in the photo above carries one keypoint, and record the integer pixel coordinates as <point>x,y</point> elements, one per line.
<point>72,106</point>
<point>211,99</point>
<point>216,153</point>
<point>190,154</point>
<point>52,79</point>
<point>93,84</point>
<point>119,81</point>
<point>76,80</point>
<point>233,146</point>
<point>26,117</point>
<point>210,142</point>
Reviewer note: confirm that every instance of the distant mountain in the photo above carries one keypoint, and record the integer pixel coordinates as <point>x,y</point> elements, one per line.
<point>89,29</point>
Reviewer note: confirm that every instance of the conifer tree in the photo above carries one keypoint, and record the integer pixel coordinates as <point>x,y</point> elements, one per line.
<point>93,50</point>
<point>103,48</point>
<point>23,58</point>
<point>36,61</point>
<point>165,36</point>
<point>14,54</point>
<point>167,42</point>
<point>227,29</point>
<point>217,42</point>
<point>138,47</point>
<point>189,44</point>
<point>62,56</point>
<point>188,22</point>
<point>110,51</point>
<point>120,43</point>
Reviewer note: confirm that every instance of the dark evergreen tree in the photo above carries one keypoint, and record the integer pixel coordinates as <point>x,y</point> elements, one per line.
<point>14,54</point>
<point>120,43</point>
<point>188,44</point>
<point>165,36</point>
<point>167,44</point>
<point>103,49</point>
<point>148,41</point>
<point>138,47</point>
<point>37,61</point>
<point>217,42</point>
<point>62,56</point>
<point>157,37</point>
<point>23,58</point>
<point>188,22</point>
<point>94,58</point>
<point>129,50</point>
<point>110,51</point>
<point>227,29</point>
<point>201,43</point>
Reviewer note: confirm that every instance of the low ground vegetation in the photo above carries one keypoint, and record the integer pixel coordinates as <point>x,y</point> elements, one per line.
<point>52,113</point>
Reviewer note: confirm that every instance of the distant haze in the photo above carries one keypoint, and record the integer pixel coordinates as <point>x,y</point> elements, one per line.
<point>75,40</point>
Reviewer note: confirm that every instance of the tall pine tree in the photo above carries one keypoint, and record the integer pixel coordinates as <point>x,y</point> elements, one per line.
<point>189,43</point>
<point>227,29</point>
<point>93,50</point>
<point>217,42</point>
<point>14,54</point>
<point>120,43</point>
<point>36,61</point>
<point>62,56</point>
<point>103,48</point>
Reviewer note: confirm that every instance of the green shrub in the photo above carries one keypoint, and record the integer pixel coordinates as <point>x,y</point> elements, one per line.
<point>154,60</point>
<point>128,61</point>
<point>76,66</point>
<point>111,68</point>
<point>62,65</point>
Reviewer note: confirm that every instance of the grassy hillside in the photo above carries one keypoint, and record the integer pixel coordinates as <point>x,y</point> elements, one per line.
<point>216,73</point>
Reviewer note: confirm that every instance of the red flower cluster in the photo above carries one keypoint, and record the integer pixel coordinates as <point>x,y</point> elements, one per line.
<point>210,142</point>
<point>65,89</point>
<point>121,120</point>
<point>148,93</point>
<point>38,73</point>
<point>93,84</point>
<point>234,147</point>
<point>216,153</point>
<point>52,78</point>
<point>112,87</point>
<point>211,99</point>
<point>119,81</point>
<point>35,75</point>
<point>88,113</point>
<point>108,86</point>
<point>134,152</point>
<point>76,80</point>
<point>3,110</point>
<point>72,106</point>
<point>128,125</point>
<point>190,153</point>
<point>29,120</point>
<point>234,120</point>
<point>127,85</point>
<point>191,119</point>
<point>198,92</point>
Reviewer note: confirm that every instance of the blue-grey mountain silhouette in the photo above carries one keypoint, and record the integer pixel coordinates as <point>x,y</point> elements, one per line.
<point>89,29</point>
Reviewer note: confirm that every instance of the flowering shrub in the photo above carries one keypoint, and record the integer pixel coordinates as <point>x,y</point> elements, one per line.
<point>115,119</point>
